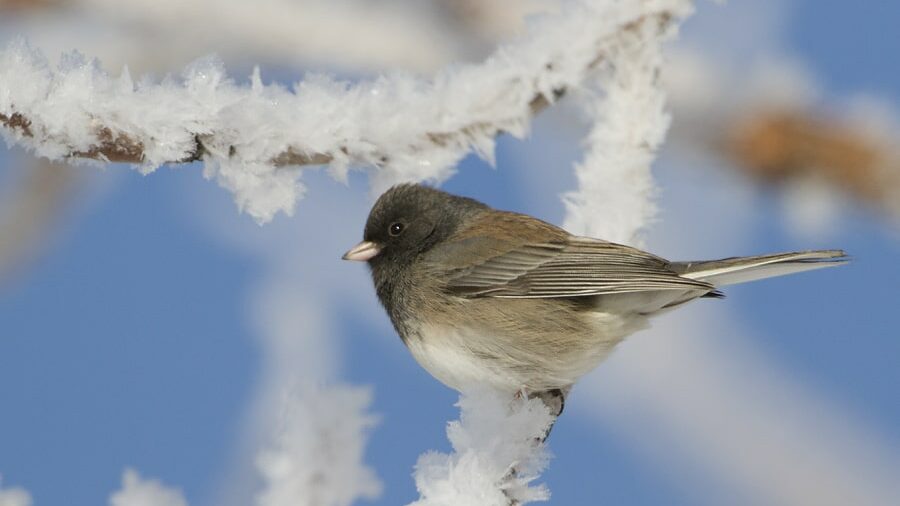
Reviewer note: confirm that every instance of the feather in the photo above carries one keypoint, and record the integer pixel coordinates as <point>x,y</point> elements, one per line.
<point>729,271</point>
<point>576,267</point>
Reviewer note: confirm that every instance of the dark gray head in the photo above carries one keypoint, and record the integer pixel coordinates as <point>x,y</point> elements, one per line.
<point>408,220</point>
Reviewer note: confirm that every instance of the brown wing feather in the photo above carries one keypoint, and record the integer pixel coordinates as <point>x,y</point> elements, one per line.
<point>520,262</point>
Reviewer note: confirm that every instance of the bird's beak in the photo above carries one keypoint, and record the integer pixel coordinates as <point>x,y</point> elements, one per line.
<point>362,251</point>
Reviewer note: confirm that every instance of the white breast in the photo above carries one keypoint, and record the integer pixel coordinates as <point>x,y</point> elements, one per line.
<point>443,352</point>
<point>462,357</point>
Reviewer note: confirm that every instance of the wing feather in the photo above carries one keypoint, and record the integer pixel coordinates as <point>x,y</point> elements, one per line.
<point>573,268</point>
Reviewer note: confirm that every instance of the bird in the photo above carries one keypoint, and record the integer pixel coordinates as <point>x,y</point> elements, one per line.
<point>490,298</point>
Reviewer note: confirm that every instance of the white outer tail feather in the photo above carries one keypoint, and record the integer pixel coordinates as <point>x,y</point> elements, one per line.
<point>730,271</point>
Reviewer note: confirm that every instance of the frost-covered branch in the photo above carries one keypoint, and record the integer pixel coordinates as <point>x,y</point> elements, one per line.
<point>615,186</point>
<point>411,129</point>
<point>497,453</point>
<point>316,458</point>
<point>125,148</point>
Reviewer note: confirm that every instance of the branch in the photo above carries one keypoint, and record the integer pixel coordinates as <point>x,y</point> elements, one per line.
<point>497,453</point>
<point>777,145</point>
<point>120,147</point>
<point>407,128</point>
<point>315,457</point>
<point>615,194</point>
<point>770,123</point>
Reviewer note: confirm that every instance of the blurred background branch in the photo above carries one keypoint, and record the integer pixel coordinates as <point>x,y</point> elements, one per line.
<point>777,146</point>
<point>32,197</point>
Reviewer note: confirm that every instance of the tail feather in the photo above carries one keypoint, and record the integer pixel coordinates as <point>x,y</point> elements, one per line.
<point>729,271</point>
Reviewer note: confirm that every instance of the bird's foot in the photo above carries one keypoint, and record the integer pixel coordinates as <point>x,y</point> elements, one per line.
<point>555,400</point>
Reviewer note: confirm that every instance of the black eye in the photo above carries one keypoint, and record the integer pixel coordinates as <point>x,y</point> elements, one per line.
<point>396,229</point>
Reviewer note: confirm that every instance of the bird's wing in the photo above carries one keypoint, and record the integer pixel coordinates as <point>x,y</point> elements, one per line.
<point>572,267</point>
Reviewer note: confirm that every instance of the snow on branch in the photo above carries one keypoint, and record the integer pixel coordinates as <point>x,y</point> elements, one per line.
<point>408,128</point>
<point>615,192</point>
<point>316,457</point>
<point>497,452</point>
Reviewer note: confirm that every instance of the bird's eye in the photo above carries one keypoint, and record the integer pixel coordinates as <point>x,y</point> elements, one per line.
<point>396,229</point>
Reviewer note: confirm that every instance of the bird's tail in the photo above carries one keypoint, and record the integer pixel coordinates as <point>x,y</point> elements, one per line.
<point>729,271</point>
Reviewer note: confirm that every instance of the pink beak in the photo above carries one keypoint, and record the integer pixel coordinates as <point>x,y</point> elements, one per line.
<point>362,251</point>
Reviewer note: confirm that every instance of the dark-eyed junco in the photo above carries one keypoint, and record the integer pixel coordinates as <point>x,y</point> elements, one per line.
<point>481,296</point>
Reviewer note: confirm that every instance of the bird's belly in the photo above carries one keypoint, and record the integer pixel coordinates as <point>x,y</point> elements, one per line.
<point>465,357</point>
<point>443,352</point>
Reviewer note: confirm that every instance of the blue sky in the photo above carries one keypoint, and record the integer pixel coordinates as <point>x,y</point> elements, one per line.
<point>129,340</point>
